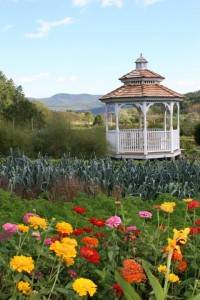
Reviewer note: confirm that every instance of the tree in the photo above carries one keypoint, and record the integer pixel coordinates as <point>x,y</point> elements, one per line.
<point>197,134</point>
<point>98,120</point>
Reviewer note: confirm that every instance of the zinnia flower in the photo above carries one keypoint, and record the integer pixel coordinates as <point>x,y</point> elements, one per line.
<point>173,278</point>
<point>84,287</point>
<point>22,264</point>
<point>72,273</point>
<point>90,242</point>
<point>145,214</point>
<point>24,287</point>
<point>181,236</point>
<point>132,272</point>
<point>193,205</point>
<point>182,266</point>
<point>79,210</point>
<point>64,228</point>
<point>197,222</point>
<point>177,256</point>
<point>78,231</point>
<point>117,289</point>
<point>27,216</point>
<point>97,222</point>
<point>194,230</point>
<point>10,228</point>
<point>90,254</point>
<point>168,207</point>
<point>66,249</point>
<point>22,228</point>
<point>162,269</point>
<point>188,200</point>
<point>37,222</point>
<point>113,222</point>
<point>131,228</point>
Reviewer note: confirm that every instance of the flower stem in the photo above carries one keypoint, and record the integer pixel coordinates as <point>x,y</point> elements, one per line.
<point>56,278</point>
<point>169,259</point>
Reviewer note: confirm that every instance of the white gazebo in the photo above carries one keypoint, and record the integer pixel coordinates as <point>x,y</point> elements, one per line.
<point>142,89</point>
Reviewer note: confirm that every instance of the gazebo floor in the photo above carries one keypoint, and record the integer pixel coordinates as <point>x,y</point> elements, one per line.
<point>151,155</point>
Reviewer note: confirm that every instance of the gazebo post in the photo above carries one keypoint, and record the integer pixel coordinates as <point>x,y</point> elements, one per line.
<point>106,117</point>
<point>117,126</point>
<point>144,108</point>
<point>171,125</point>
<point>165,120</point>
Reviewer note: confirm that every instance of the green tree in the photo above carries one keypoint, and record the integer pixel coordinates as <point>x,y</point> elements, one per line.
<point>98,120</point>
<point>197,134</point>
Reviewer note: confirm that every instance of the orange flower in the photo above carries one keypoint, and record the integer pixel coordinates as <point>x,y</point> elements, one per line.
<point>182,266</point>
<point>90,242</point>
<point>177,256</point>
<point>132,272</point>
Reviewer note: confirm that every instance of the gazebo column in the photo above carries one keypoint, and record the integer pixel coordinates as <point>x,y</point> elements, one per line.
<point>171,126</point>
<point>106,117</point>
<point>144,109</point>
<point>117,126</point>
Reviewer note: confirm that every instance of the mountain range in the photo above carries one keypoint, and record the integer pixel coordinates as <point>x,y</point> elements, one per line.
<point>75,102</point>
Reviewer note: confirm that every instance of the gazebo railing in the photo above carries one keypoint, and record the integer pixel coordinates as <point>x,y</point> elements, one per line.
<point>132,140</point>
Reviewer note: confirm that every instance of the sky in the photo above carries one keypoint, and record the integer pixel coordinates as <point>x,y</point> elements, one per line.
<point>84,46</point>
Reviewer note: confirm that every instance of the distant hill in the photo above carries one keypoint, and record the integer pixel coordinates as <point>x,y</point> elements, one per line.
<point>193,97</point>
<point>75,102</point>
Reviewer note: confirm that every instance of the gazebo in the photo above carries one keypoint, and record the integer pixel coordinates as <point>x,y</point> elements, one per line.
<point>142,90</point>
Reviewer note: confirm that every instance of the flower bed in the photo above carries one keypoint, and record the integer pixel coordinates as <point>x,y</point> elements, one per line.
<point>105,257</point>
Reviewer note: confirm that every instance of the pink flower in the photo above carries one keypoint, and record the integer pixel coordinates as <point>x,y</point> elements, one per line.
<point>10,228</point>
<point>37,235</point>
<point>72,273</point>
<point>131,228</point>
<point>145,214</point>
<point>27,216</point>
<point>48,241</point>
<point>113,222</point>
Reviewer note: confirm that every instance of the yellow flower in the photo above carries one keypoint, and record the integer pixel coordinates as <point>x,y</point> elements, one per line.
<point>66,249</point>
<point>69,241</point>
<point>181,236</point>
<point>37,222</point>
<point>162,269</point>
<point>69,261</point>
<point>188,200</point>
<point>22,228</point>
<point>172,246</point>
<point>22,264</point>
<point>173,278</point>
<point>64,228</point>
<point>168,207</point>
<point>84,286</point>
<point>24,287</point>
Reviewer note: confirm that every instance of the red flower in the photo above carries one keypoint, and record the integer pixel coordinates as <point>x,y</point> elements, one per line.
<point>197,222</point>
<point>79,210</point>
<point>194,230</point>
<point>90,254</point>
<point>117,289</point>
<point>182,266</point>
<point>193,205</point>
<point>97,222</point>
<point>87,229</point>
<point>78,231</point>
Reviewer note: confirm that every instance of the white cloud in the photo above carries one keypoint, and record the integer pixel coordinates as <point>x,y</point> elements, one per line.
<point>117,3</point>
<point>104,3</point>
<point>33,78</point>
<point>81,2</point>
<point>46,26</point>
<point>7,27</point>
<point>148,2</point>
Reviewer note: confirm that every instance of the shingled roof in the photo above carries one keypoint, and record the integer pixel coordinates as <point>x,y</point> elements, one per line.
<point>142,91</point>
<point>141,83</point>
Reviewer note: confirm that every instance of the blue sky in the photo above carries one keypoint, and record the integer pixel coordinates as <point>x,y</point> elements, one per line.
<point>53,46</point>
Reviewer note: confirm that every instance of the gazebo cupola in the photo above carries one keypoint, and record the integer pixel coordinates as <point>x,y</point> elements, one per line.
<point>142,89</point>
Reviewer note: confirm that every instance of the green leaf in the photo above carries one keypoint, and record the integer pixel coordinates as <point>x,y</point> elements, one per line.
<point>197,297</point>
<point>157,288</point>
<point>129,291</point>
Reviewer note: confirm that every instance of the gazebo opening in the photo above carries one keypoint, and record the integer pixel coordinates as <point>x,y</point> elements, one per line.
<point>142,116</point>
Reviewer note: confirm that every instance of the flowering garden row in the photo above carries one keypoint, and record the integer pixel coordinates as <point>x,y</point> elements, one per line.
<point>55,260</point>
